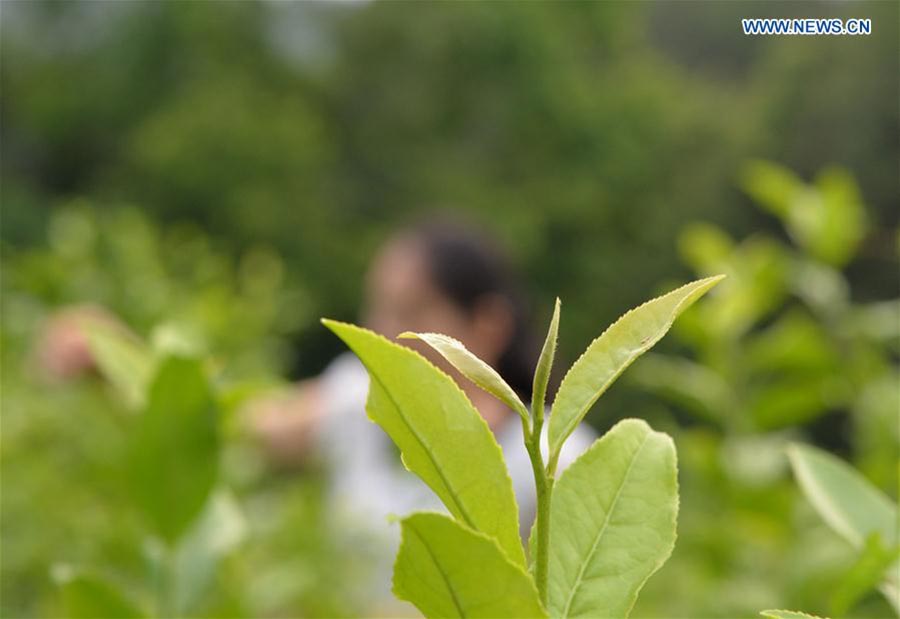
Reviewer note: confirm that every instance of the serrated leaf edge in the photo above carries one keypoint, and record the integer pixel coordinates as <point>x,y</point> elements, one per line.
<point>662,560</point>
<point>409,351</point>
<point>505,394</point>
<point>576,419</point>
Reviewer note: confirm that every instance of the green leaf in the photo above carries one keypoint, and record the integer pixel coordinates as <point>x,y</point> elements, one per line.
<point>692,386</point>
<point>608,356</point>
<point>472,368</point>
<point>846,501</point>
<point>441,436</point>
<point>123,359</point>
<point>174,448</point>
<point>865,574</point>
<point>218,530</point>
<point>772,186</point>
<point>545,365</point>
<point>787,614</point>
<point>613,516</point>
<point>448,570</point>
<point>88,596</point>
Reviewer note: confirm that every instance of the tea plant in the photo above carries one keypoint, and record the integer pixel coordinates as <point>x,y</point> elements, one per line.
<point>790,348</point>
<point>601,530</point>
<point>861,514</point>
<point>170,466</point>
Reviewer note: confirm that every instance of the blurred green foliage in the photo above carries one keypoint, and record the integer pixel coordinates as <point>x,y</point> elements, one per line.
<point>781,351</point>
<point>218,176</point>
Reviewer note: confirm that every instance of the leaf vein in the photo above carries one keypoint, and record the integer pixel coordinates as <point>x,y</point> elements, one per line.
<point>581,577</point>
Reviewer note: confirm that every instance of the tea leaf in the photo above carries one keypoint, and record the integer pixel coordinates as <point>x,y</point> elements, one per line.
<point>448,570</point>
<point>175,447</point>
<point>87,596</point>
<point>218,530</point>
<point>866,573</point>
<point>846,501</point>
<point>125,362</point>
<point>608,356</point>
<point>472,368</point>
<point>613,518</point>
<point>441,436</point>
<point>545,364</point>
<point>787,614</point>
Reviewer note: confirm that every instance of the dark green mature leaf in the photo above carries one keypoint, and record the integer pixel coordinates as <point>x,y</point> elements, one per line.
<point>613,516</point>
<point>174,449</point>
<point>448,570</point>
<point>88,596</point>
<point>441,436</point>
<point>472,368</point>
<point>608,356</point>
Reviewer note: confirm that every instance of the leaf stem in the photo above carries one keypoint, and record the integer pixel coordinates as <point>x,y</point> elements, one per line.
<point>544,486</point>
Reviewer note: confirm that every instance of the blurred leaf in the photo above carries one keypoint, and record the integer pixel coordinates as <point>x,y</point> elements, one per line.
<point>846,501</point>
<point>443,439</point>
<point>795,399</point>
<point>220,528</point>
<point>693,386</point>
<point>89,596</point>
<point>823,288</point>
<point>877,322</point>
<point>610,354</point>
<point>472,368</point>
<point>704,247</point>
<point>826,219</point>
<point>840,224</point>
<point>787,614</point>
<point>864,575</point>
<point>174,450</point>
<point>614,513</point>
<point>123,359</point>
<point>756,286</point>
<point>447,570</point>
<point>772,186</point>
<point>795,342</point>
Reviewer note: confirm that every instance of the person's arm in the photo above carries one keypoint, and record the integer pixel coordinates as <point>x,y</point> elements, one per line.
<point>288,424</point>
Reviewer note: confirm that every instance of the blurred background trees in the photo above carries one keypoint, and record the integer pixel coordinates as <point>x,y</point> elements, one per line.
<point>218,175</point>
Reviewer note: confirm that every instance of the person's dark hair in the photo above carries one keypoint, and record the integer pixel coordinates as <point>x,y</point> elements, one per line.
<point>466,265</point>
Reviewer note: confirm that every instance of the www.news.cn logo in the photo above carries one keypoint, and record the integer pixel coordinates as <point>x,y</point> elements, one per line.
<point>806,26</point>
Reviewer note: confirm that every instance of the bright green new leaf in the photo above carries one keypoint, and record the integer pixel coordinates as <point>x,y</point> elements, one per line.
<point>441,436</point>
<point>472,368</point>
<point>125,362</point>
<point>787,614</point>
<point>608,356</point>
<point>613,516</point>
<point>545,364</point>
<point>88,596</point>
<point>846,501</point>
<point>448,570</point>
<point>174,449</point>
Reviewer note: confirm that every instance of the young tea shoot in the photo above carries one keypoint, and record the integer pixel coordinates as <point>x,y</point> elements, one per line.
<point>602,528</point>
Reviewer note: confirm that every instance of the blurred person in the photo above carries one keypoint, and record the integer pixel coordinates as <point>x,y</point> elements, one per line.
<point>437,277</point>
